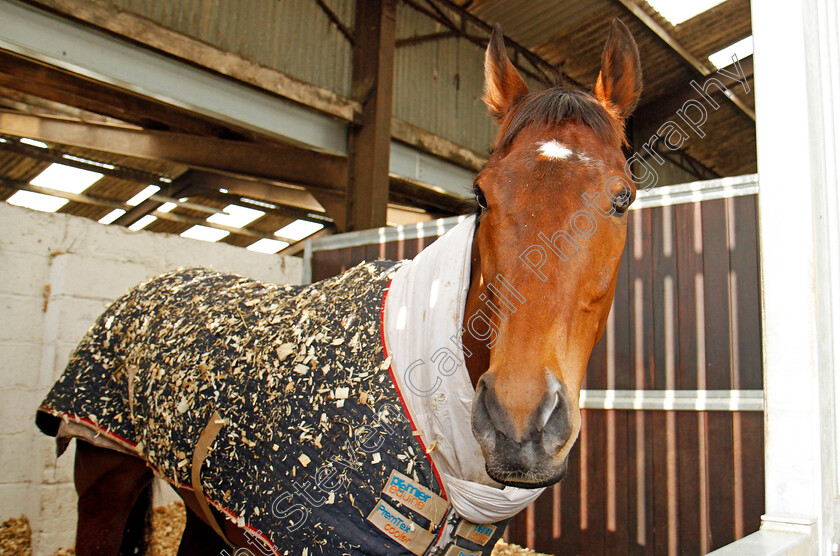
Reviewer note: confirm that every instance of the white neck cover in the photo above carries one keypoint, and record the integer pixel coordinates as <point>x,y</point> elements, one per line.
<point>424,312</point>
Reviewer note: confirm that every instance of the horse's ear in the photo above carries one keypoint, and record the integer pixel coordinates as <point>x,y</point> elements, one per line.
<point>502,83</point>
<point>619,84</point>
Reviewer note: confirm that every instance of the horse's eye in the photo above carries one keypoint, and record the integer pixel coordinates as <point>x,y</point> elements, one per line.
<point>480,199</point>
<point>622,202</point>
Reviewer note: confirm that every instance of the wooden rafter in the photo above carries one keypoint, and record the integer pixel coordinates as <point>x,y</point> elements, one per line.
<point>270,161</point>
<point>220,155</point>
<point>105,15</point>
<point>285,195</point>
<point>64,87</point>
<point>540,70</point>
<point>266,206</point>
<point>30,104</point>
<point>178,188</point>
<point>421,39</point>
<point>335,20</point>
<point>546,71</point>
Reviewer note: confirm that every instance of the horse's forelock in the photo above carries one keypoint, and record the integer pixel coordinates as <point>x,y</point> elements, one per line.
<point>555,105</point>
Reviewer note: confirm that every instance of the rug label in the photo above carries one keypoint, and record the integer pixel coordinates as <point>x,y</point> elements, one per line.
<point>458,551</point>
<point>415,496</point>
<point>475,532</point>
<point>400,528</point>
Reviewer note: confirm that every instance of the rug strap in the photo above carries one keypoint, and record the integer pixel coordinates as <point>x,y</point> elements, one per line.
<point>208,435</point>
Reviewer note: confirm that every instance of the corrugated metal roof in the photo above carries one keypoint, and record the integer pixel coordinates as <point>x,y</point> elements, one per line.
<point>532,23</point>
<point>572,34</point>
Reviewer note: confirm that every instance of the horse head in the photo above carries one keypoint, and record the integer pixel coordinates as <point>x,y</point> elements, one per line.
<point>553,198</point>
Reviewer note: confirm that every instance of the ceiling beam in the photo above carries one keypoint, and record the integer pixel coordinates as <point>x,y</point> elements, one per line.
<point>546,72</point>
<point>405,191</point>
<point>275,208</point>
<point>421,39</point>
<point>31,104</point>
<point>178,188</point>
<point>136,28</point>
<point>335,20</point>
<point>64,87</point>
<point>541,70</point>
<point>270,161</point>
<point>140,143</point>
<point>286,195</point>
<point>683,53</point>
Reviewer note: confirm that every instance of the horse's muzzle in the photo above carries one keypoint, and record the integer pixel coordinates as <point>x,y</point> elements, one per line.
<point>525,456</point>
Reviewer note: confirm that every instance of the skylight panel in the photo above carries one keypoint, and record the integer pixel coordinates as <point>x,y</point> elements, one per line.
<point>236,216</point>
<point>34,143</point>
<point>268,246</point>
<point>36,201</point>
<point>205,234</point>
<point>298,230</point>
<point>111,216</point>
<point>741,49</point>
<point>143,195</point>
<point>142,223</point>
<point>678,11</point>
<point>66,178</point>
<point>166,207</point>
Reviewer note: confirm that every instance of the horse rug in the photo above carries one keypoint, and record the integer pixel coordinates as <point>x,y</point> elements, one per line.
<point>281,407</point>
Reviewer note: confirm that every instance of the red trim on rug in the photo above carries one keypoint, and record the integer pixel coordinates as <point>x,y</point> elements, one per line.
<point>399,393</point>
<point>234,518</point>
<point>111,435</point>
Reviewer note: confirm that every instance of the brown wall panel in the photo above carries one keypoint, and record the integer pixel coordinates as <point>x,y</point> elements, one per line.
<point>743,261</point>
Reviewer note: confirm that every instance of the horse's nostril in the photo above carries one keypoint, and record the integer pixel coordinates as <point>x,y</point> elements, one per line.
<point>547,410</point>
<point>557,428</point>
<point>482,423</point>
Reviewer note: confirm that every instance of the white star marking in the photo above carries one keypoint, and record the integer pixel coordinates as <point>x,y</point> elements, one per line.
<point>553,150</point>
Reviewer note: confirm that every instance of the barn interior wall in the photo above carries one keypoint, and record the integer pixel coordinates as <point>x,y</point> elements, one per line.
<point>669,174</point>
<point>438,84</point>
<point>58,273</point>
<point>294,36</point>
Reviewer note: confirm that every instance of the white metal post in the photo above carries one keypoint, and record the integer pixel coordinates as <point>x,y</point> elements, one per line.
<point>797,81</point>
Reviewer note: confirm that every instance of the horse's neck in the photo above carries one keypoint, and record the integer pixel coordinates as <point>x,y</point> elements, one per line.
<point>479,360</point>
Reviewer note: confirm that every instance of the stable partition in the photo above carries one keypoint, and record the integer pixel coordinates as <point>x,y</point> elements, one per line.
<point>670,458</point>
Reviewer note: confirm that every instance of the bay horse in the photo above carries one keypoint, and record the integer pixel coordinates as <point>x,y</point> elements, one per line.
<point>526,284</point>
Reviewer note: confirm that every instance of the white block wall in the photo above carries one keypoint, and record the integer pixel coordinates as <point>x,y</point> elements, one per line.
<point>57,274</point>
